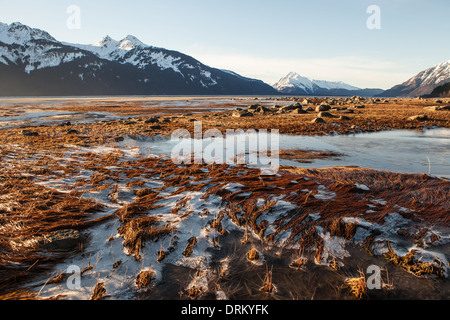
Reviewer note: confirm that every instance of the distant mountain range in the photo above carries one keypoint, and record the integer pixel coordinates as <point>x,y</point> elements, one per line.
<point>33,63</point>
<point>295,84</point>
<point>423,83</point>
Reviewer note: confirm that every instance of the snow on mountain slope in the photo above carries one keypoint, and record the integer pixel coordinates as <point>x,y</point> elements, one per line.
<point>293,83</point>
<point>423,83</point>
<point>17,33</point>
<point>128,66</point>
<point>32,49</point>
<point>432,76</point>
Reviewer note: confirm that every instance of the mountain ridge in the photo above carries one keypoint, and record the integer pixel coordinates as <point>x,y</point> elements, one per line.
<point>423,83</point>
<point>32,62</point>
<point>294,83</point>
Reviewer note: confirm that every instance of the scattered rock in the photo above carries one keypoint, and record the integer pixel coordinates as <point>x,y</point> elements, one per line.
<point>261,109</point>
<point>325,114</point>
<point>152,120</point>
<point>299,111</point>
<point>253,106</point>
<point>420,117</point>
<point>318,120</point>
<point>241,113</point>
<point>29,133</point>
<point>438,108</point>
<point>323,107</point>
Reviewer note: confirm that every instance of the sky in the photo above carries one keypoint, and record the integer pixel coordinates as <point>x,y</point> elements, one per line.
<point>323,39</point>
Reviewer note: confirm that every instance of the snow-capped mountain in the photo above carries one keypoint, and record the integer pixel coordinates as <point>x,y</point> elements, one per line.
<point>32,62</point>
<point>295,83</point>
<point>423,83</point>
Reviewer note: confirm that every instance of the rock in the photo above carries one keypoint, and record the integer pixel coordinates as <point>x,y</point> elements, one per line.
<point>309,109</point>
<point>325,114</point>
<point>438,108</point>
<point>62,239</point>
<point>118,139</point>
<point>420,117</point>
<point>290,107</point>
<point>72,131</point>
<point>152,120</point>
<point>298,111</point>
<point>323,107</point>
<point>253,106</point>
<point>344,118</point>
<point>306,101</point>
<point>318,120</point>
<point>157,127</point>
<point>347,111</point>
<point>130,122</point>
<point>361,106</point>
<point>262,110</point>
<point>241,113</point>
<point>29,133</point>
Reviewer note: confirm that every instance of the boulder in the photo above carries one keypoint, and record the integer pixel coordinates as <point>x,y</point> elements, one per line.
<point>262,110</point>
<point>420,117</point>
<point>291,107</point>
<point>253,106</point>
<point>298,111</point>
<point>318,120</point>
<point>29,133</point>
<point>323,107</point>
<point>241,113</point>
<point>438,108</point>
<point>325,114</point>
<point>152,120</point>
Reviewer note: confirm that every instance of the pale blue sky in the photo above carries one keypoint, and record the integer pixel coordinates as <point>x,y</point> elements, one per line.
<point>324,39</point>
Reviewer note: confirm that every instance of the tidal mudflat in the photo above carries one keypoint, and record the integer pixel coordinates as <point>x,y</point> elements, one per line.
<point>95,208</point>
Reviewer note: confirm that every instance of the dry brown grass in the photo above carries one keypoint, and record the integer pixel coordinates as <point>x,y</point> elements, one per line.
<point>268,286</point>
<point>357,285</point>
<point>190,246</point>
<point>136,231</point>
<point>99,291</point>
<point>145,278</point>
<point>410,263</point>
<point>253,254</point>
